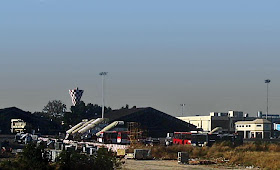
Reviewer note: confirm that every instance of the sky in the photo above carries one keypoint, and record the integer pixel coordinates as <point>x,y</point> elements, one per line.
<point>210,55</point>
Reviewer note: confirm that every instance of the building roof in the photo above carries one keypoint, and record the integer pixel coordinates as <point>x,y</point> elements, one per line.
<point>256,121</point>
<point>44,125</point>
<point>196,116</point>
<point>116,114</point>
<point>157,123</point>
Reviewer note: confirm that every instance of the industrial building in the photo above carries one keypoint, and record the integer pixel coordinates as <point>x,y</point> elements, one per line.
<point>258,128</point>
<point>10,116</point>
<point>151,122</point>
<point>230,122</point>
<point>154,122</point>
<point>225,120</point>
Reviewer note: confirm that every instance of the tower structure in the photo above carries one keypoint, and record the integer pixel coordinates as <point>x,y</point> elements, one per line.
<point>76,95</point>
<point>182,105</point>
<point>135,132</point>
<point>103,74</point>
<point>267,81</point>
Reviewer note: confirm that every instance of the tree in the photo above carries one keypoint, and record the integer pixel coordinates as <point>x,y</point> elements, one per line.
<point>102,160</point>
<point>32,158</point>
<point>83,111</point>
<point>125,107</point>
<point>55,108</point>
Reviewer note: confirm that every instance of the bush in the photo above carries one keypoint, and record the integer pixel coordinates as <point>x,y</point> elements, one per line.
<point>274,147</point>
<point>32,158</point>
<point>36,158</point>
<point>72,160</point>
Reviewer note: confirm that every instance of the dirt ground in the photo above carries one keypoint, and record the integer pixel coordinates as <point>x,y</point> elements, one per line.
<point>167,165</point>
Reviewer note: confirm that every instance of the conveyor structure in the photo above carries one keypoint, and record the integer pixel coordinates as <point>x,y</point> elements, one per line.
<point>110,126</point>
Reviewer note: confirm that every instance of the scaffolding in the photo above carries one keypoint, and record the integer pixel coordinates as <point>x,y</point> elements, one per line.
<point>135,132</point>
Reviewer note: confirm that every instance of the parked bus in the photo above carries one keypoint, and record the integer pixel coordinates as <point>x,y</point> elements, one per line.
<point>182,138</point>
<point>114,137</point>
<point>201,139</point>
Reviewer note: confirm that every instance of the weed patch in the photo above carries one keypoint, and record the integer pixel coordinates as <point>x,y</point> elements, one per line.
<point>261,155</point>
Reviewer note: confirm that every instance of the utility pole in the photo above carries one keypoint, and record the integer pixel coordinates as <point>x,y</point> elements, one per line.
<point>103,74</point>
<point>267,81</point>
<point>182,105</point>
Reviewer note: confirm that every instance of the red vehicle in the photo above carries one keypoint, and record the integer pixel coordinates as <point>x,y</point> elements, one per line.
<point>114,137</point>
<point>182,138</point>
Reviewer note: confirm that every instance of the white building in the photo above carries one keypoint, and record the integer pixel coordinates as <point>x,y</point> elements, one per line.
<point>17,125</point>
<point>215,119</point>
<point>258,128</point>
<point>202,122</point>
<point>232,113</point>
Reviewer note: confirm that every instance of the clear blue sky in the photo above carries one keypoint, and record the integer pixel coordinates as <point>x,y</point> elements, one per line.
<point>210,55</point>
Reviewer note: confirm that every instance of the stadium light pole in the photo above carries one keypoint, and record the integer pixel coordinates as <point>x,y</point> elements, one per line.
<point>183,105</point>
<point>267,81</point>
<point>103,74</point>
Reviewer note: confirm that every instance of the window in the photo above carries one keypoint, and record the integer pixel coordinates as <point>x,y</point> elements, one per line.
<point>266,126</point>
<point>186,136</point>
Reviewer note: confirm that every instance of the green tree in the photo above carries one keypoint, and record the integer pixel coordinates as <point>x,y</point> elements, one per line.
<point>32,158</point>
<point>83,111</point>
<point>125,107</point>
<point>36,158</point>
<point>103,160</point>
<point>55,108</point>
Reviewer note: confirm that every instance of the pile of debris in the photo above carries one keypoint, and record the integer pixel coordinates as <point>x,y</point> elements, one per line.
<point>201,162</point>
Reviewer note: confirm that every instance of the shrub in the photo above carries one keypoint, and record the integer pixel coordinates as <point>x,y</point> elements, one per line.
<point>274,147</point>
<point>246,147</point>
<point>36,158</point>
<point>72,160</point>
<point>32,158</point>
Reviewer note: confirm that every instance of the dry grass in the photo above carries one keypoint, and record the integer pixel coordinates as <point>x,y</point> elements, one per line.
<point>267,160</point>
<point>261,155</point>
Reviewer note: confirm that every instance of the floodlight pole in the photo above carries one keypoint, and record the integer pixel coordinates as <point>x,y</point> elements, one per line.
<point>267,82</point>
<point>103,74</point>
<point>183,105</point>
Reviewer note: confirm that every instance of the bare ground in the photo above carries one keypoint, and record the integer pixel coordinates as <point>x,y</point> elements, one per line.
<point>167,164</point>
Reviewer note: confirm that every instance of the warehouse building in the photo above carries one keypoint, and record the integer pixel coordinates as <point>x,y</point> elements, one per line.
<point>225,120</point>
<point>154,122</point>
